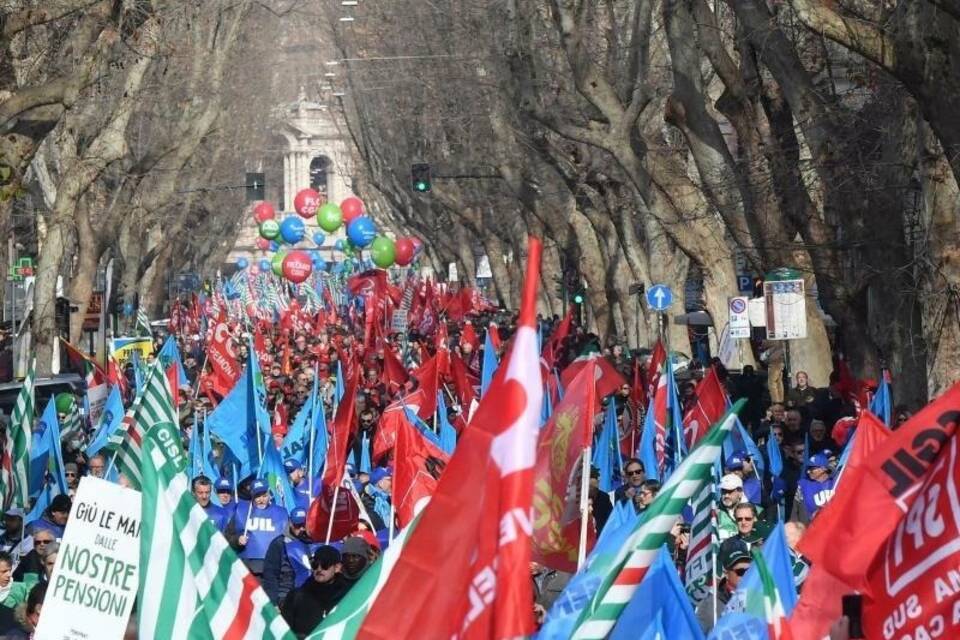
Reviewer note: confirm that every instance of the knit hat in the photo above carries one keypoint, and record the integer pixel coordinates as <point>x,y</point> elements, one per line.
<point>355,546</point>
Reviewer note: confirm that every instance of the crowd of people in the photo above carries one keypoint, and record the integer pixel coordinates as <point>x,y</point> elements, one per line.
<point>306,577</point>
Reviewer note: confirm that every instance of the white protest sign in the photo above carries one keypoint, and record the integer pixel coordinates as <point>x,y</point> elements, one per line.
<point>97,397</point>
<point>95,579</point>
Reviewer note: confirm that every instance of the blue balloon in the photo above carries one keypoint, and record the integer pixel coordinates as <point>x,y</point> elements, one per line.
<point>339,244</point>
<point>264,265</point>
<point>242,263</point>
<point>292,229</point>
<point>273,245</point>
<point>362,231</point>
<point>319,238</point>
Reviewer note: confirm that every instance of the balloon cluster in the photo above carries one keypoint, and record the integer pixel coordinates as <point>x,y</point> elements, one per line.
<point>297,265</point>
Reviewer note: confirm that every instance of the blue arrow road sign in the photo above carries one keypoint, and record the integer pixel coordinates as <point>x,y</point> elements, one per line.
<point>659,297</point>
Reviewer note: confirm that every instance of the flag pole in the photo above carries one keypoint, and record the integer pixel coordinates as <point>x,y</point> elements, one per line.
<point>584,505</point>
<point>236,482</point>
<point>333,511</point>
<point>196,392</point>
<point>110,466</point>
<point>392,518</point>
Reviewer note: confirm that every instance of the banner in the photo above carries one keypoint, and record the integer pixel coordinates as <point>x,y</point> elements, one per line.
<point>97,397</point>
<point>95,579</point>
<point>221,355</point>
<point>122,349</point>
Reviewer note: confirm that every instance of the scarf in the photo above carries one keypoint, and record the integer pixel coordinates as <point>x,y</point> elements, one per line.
<point>381,502</point>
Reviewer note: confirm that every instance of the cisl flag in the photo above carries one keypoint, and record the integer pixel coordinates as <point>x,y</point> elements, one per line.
<point>465,570</point>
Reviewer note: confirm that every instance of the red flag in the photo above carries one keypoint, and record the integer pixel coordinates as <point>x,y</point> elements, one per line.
<point>494,335</point>
<point>876,493</point>
<point>418,464</point>
<point>819,603</point>
<point>710,407</point>
<point>393,371</point>
<point>608,378</point>
<point>469,336</point>
<point>220,354</point>
<point>556,501</point>
<point>429,377</point>
<point>346,514</point>
<point>173,377</point>
<point>341,428</point>
<point>657,359</point>
<point>386,436</point>
<point>478,585</point>
<point>463,382</point>
<point>556,339</point>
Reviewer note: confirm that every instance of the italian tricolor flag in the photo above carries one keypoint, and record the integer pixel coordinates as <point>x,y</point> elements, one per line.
<point>777,627</point>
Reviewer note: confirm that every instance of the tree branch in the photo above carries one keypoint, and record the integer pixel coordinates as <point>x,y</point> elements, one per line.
<point>857,35</point>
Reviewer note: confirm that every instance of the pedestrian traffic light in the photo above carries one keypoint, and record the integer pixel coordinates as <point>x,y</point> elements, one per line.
<point>420,177</point>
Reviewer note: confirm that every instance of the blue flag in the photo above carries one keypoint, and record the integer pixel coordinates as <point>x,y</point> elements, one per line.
<point>562,618</point>
<point>740,440</point>
<point>489,365</point>
<point>200,463</point>
<point>109,421</point>
<point>137,372</point>
<point>648,445</point>
<point>662,601</point>
<point>546,407</point>
<point>606,455</point>
<point>773,454</point>
<point>170,354</point>
<point>273,473</point>
<point>743,615</point>
<point>46,456</point>
<point>448,435</point>
<point>422,426</point>
<point>297,440</point>
<point>338,389</point>
<point>318,458</point>
<point>881,405</point>
<point>44,498</point>
<point>242,417</point>
<point>363,464</point>
<point>676,449</point>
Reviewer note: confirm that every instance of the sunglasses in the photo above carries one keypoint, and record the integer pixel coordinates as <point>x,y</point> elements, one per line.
<point>70,475</point>
<point>747,519</point>
<point>36,542</point>
<point>635,472</point>
<point>727,491</point>
<point>741,570</point>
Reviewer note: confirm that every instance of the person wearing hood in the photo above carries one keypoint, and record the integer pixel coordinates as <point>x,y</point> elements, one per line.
<point>55,517</point>
<point>306,606</point>
<point>287,563</point>
<point>355,555</point>
<point>376,497</point>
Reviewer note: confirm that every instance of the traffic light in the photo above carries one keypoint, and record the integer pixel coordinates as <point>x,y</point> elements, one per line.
<point>578,297</point>
<point>256,187</point>
<point>420,177</point>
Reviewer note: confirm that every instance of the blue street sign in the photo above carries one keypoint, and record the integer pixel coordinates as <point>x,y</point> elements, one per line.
<point>659,297</point>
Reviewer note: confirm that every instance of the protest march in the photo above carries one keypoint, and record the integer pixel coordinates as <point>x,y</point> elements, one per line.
<point>318,470</point>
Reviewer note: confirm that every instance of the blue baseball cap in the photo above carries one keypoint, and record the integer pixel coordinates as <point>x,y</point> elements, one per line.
<point>379,474</point>
<point>819,460</point>
<point>735,460</point>
<point>298,516</point>
<point>223,486</point>
<point>291,465</point>
<point>258,488</point>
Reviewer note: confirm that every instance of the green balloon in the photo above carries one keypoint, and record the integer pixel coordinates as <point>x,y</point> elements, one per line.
<point>383,252</point>
<point>276,262</point>
<point>329,217</point>
<point>65,402</point>
<point>269,229</point>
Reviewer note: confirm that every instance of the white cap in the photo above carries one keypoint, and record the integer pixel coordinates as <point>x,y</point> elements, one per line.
<point>730,482</point>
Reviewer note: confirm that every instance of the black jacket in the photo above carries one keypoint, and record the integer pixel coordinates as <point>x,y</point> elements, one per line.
<point>278,577</point>
<point>304,608</point>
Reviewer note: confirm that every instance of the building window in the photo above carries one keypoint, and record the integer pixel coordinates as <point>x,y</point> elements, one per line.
<point>319,167</point>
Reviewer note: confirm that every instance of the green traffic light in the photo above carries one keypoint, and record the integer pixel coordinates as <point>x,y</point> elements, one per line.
<point>421,186</point>
<point>578,299</point>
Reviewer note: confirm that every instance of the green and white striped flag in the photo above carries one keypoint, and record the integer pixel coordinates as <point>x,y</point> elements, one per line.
<point>192,585</point>
<point>704,543</point>
<point>634,558</point>
<point>345,619</point>
<point>143,323</point>
<point>15,462</point>
<point>72,431</point>
<point>152,406</point>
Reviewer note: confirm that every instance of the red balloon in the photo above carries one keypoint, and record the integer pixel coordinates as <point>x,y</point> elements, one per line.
<point>404,251</point>
<point>306,203</point>
<point>264,211</point>
<point>297,266</point>
<point>263,244</point>
<point>351,207</point>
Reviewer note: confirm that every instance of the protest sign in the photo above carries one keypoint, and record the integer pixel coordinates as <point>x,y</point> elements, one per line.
<point>95,579</point>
